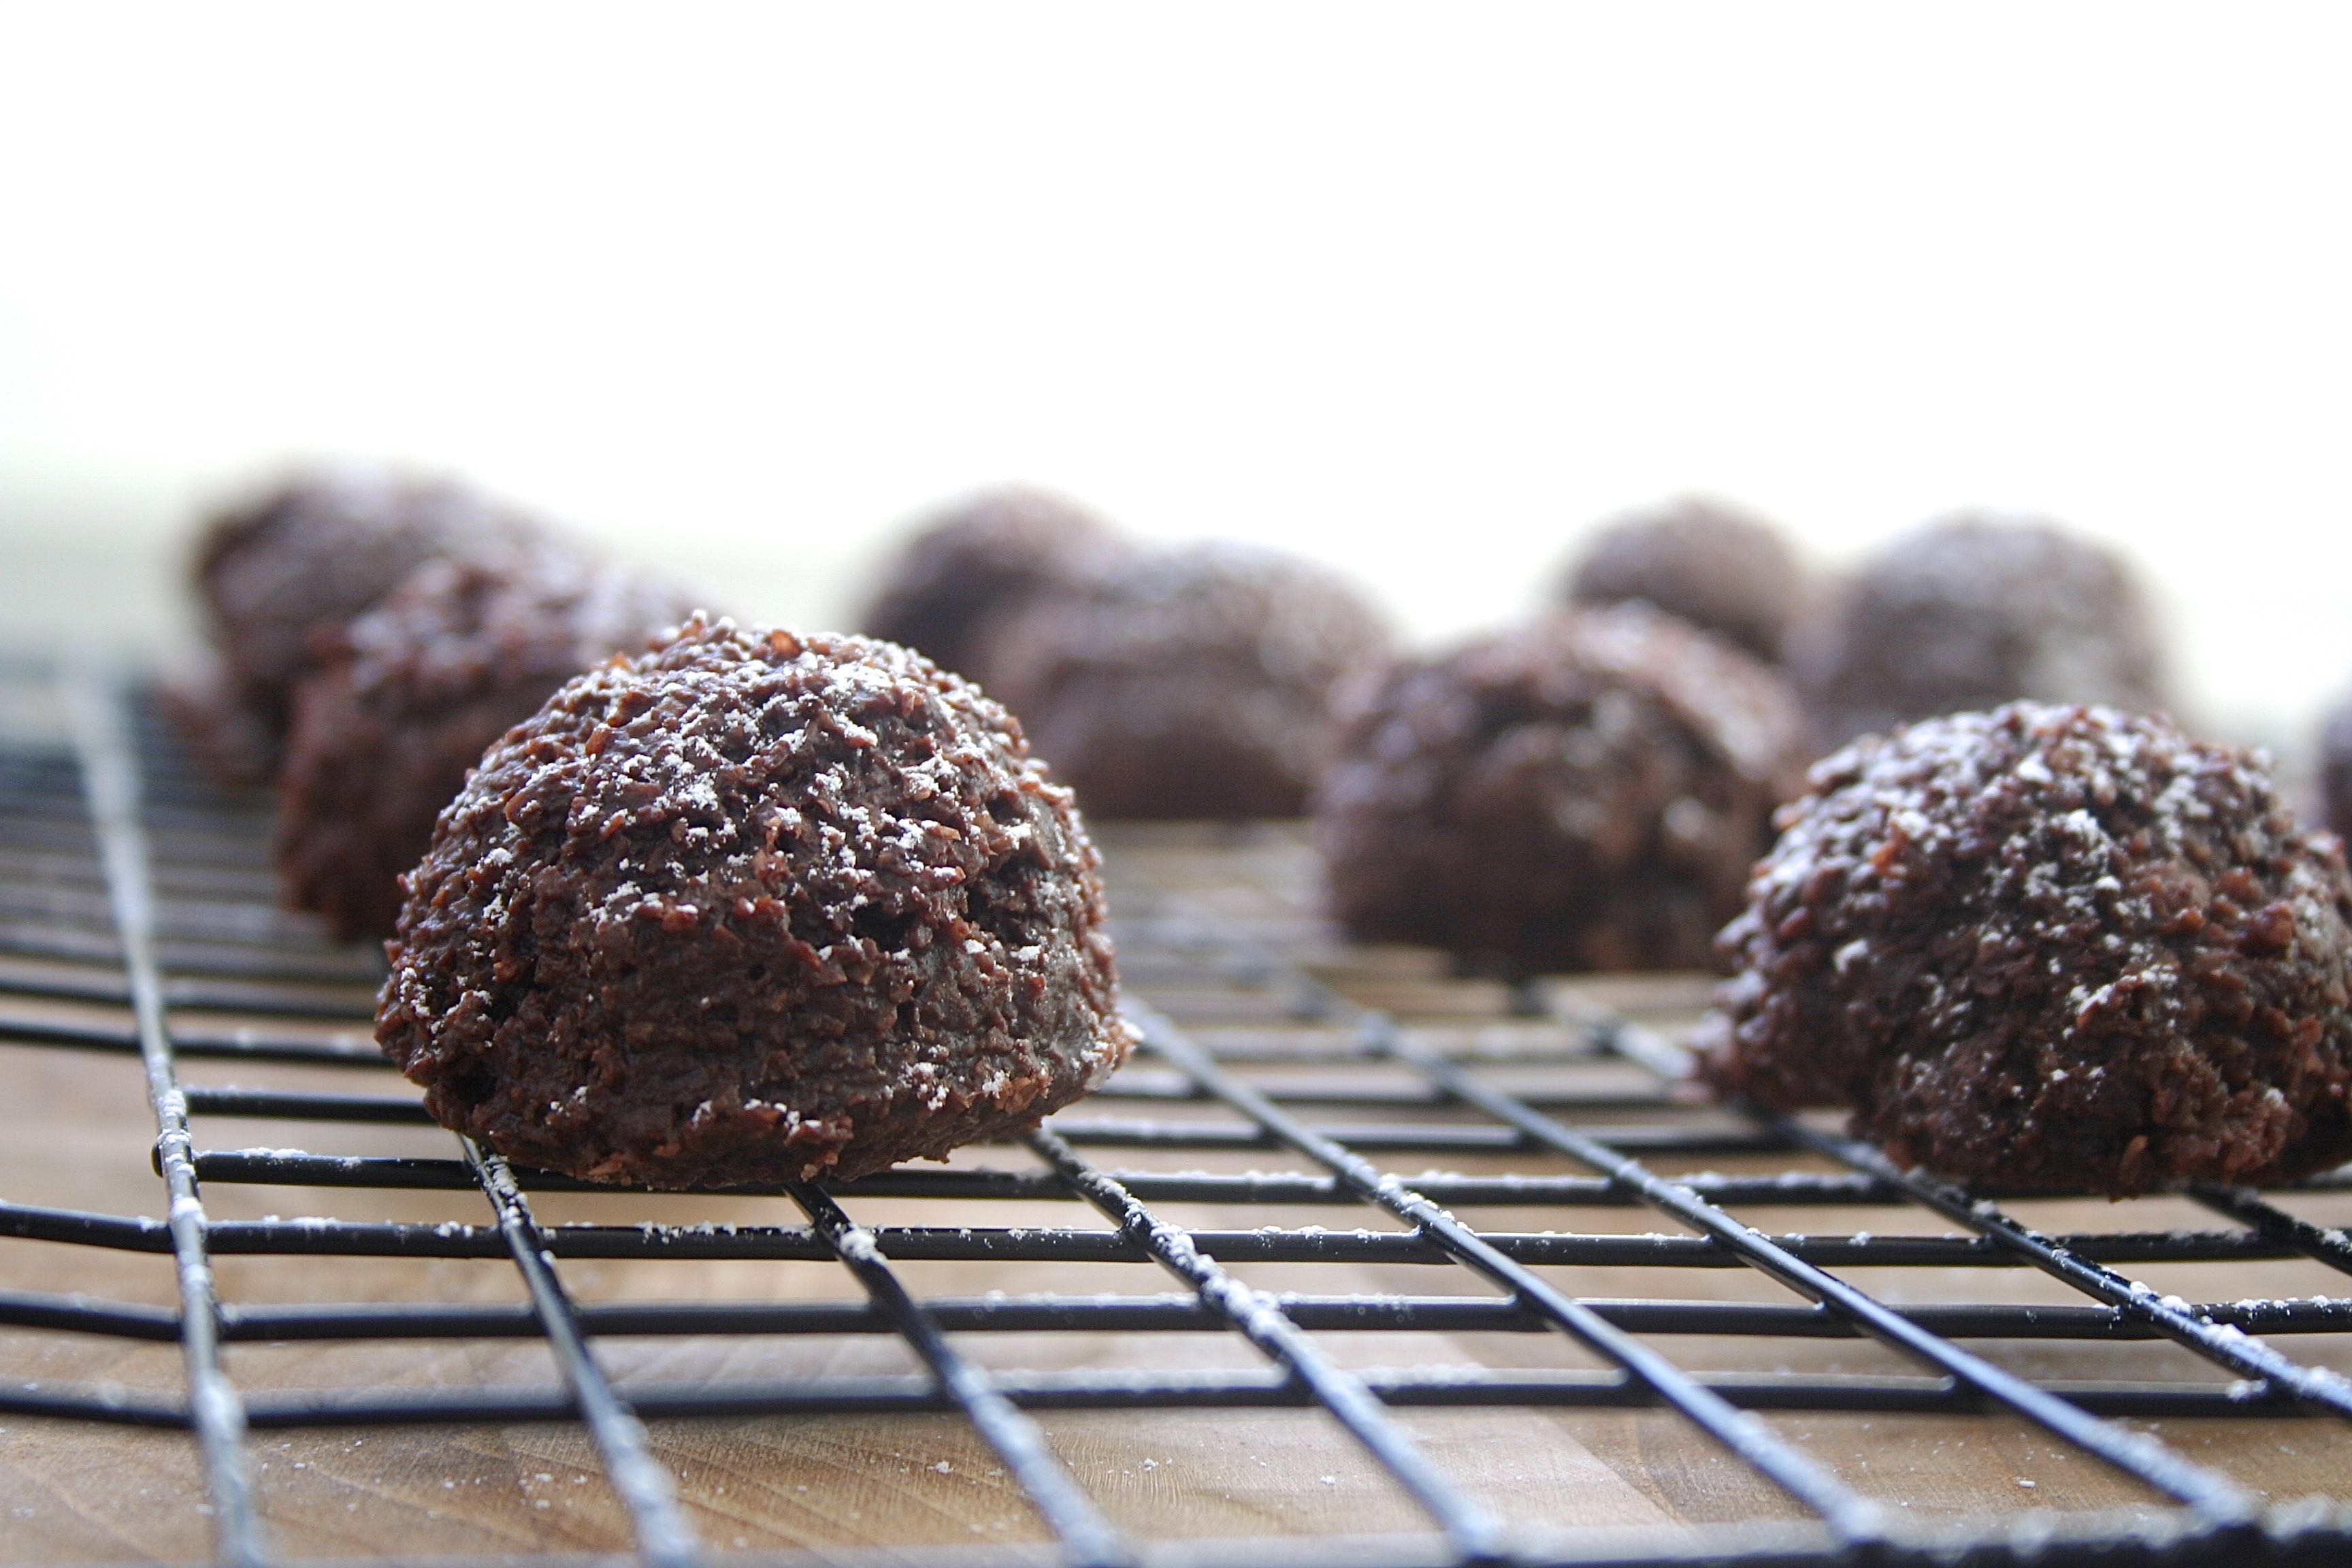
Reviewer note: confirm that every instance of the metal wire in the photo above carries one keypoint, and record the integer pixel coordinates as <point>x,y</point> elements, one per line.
<point>1855,1519</point>
<point>664,1541</point>
<point>122,886</point>
<point>2223,1503</point>
<point>2188,1326</point>
<point>1259,1317</point>
<point>109,782</point>
<point>1073,1516</point>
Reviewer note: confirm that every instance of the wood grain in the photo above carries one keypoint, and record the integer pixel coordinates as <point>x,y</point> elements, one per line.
<point>77,1132</point>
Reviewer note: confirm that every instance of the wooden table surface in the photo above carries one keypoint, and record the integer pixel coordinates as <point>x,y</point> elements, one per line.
<point>77,1134</point>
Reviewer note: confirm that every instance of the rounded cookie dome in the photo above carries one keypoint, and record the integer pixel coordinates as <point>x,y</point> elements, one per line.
<point>1585,793</point>
<point>1972,611</point>
<point>382,736</point>
<point>754,907</point>
<point>1719,567</point>
<point>2050,946</point>
<point>1193,683</point>
<point>288,567</point>
<point>976,565</point>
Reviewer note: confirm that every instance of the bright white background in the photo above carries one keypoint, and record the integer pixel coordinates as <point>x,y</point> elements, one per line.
<point>1419,291</point>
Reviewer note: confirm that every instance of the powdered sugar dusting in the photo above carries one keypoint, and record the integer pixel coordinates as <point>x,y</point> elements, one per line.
<point>2051,944</point>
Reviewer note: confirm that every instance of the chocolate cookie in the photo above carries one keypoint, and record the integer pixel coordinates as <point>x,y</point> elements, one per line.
<point>226,741</point>
<point>2335,769</point>
<point>1966,614</point>
<point>754,907</point>
<point>2061,947</point>
<point>1193,683</point>
<point>278,570</point>
<point>976,565</point>
<point>1723,569</point>
<point>1586,793</point>
<point>453,657</point>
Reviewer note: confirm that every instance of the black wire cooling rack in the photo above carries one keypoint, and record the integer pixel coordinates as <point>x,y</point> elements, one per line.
<point>128,887</point>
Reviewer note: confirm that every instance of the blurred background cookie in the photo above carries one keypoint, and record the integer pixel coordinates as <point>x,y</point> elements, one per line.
<point>1190,683</point>
<point>384,733</point>
<point>978,564</point>
<point>1718,566</point>
<point>280,572</point>
<point>1585,793</point>
<point>1974,610</point>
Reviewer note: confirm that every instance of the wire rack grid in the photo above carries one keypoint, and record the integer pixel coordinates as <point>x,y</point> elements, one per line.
<point>136,922</point>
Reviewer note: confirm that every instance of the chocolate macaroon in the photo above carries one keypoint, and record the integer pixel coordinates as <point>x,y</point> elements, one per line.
<point>981,562</point>
<point>1721,568</point>
<point>230,744</point>
<point>1191,683</point>
<point>1586,792</point>
<point>458,653</point>
<point>279,573</point>
<point>2336,769</point>
<point>754,907</point>
<point>2058,947</point>
<point>1965,614</point>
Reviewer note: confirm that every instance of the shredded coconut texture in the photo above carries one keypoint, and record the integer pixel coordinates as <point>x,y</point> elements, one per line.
<point>975,566</point>
<point>1589,792</point>
<point>1969,612</point>
<point>383,737</point>
<point>1193,683</point>
<point>1720,568</point>
<point>755,906</point>
<point>2050,946</point>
